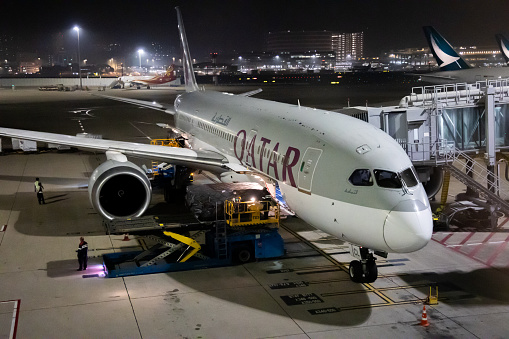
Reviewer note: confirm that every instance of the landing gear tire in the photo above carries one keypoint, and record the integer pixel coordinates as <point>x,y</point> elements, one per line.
<point>356,271</point>
<point>364,270</point>
<point>371,271</point>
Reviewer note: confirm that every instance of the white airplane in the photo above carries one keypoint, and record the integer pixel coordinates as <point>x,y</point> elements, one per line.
<point>452,66</point>
<point>337,173</point>
<point>168,77</point>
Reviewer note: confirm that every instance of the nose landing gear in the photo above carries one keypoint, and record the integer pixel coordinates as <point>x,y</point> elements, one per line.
<point>365,270</point>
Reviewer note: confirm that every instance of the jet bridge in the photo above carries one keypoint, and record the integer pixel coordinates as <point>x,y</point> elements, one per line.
<point>441,127</point>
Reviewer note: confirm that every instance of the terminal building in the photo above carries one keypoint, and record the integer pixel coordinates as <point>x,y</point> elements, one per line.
<point>305,46</point>
<point>422,59</point>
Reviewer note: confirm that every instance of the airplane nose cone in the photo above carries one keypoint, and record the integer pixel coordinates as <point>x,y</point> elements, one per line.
<point>408,227</point>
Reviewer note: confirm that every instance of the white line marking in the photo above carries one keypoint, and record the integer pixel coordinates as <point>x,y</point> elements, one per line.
<point>14,315</point>
<point>149,138</point>
<point>477,243</point>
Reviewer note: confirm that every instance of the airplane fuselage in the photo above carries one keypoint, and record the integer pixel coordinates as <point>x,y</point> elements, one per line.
<point>312,154</point>
<point>470,75</point>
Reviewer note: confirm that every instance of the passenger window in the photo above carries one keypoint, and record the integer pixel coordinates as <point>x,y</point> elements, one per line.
<point>387,179</point>
<point>361,177</point>
<point>409,177</point>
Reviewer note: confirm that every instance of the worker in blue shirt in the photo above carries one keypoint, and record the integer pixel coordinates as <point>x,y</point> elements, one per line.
<point>82,254</point>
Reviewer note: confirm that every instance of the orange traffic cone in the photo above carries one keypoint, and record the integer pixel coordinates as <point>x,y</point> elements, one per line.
<point>126,237</point>
<point>424,319</point>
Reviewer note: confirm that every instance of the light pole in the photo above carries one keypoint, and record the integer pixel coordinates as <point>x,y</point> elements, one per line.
<point>140,52</point>
<point>77,29</point>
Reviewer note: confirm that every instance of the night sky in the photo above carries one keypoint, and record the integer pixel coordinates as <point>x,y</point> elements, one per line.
<point>227,25</point>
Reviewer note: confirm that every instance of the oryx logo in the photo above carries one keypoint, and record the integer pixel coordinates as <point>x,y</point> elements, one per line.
<point>445,55</point>
<point>503,43</point>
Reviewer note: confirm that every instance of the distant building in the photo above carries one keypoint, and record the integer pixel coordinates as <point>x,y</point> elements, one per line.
<point>347,47</point>
<point>29,63</point>
<point>409,59</point>
<point>422,58</point>
<point>284,61</point>
<point>8,48</point>
<point>479,56</point>
<point>299,41</point>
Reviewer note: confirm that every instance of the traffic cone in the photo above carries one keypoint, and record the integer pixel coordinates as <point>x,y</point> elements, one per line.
<point>424,319</point>
<point>126,237</point>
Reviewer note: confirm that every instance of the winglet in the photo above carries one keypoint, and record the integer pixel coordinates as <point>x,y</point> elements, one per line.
<point>187,62</point>
<point>503,43</point>
<point>444,54</point>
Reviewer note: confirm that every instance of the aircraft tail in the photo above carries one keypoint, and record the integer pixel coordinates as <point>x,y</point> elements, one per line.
<point>170,73</point>
<point>187,62</point>
<point>445,55</point>
<point>503,43</point>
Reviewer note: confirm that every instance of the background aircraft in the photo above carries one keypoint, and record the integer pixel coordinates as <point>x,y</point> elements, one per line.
<point>452,66</point>
<point>148,81</point>
<point>503,43</point>
<point>337,173</point>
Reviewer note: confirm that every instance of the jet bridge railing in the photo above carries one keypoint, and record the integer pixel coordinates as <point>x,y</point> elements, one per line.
<point>500,86</point>
<point>447,94</point>
<point>480,174</point>
<point>425,153</point>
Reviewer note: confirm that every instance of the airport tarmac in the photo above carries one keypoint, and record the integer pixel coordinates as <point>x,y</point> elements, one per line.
<point>306,294</point>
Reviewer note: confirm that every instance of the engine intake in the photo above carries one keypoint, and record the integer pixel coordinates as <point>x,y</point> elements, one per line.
<point>119,190</point>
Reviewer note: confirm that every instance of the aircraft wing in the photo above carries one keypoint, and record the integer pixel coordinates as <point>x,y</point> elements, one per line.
<point>147,104</point>
<point>250,93</point>
<point>179,156</point>
<point>435,76</point>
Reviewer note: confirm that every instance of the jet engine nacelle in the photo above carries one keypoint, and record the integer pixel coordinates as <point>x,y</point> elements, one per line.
<point>119,190</point>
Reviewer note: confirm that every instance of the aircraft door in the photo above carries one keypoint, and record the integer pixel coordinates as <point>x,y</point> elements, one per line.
<point>307,168</point>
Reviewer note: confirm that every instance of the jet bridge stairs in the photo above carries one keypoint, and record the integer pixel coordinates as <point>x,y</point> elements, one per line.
<point>493,193</point>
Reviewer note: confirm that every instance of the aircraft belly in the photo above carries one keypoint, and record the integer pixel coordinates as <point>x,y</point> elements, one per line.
<point>357,224</point>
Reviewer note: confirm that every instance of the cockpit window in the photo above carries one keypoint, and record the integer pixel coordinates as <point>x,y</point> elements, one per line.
<point>408,176</point>
<point>361,177</point>
<point>387,179</point>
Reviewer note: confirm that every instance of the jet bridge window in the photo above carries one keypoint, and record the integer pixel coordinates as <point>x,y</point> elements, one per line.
<point>361,177</point>
<point>387,179</point>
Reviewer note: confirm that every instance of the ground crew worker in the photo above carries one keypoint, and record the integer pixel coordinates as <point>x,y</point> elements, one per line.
<point>38,190</point>
<point>82,254</point>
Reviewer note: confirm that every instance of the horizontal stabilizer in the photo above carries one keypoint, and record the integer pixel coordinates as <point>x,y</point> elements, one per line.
<point>141,103</point>
<point>250,93</point>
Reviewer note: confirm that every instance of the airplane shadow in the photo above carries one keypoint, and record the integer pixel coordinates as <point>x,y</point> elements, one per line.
<point>483,286</point>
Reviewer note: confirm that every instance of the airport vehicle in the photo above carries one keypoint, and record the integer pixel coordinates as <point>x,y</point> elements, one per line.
<point>452,66</point>
<point>248,232</point>
<point>147,81</point>
<point>503,43</point>
<point>338,173</point>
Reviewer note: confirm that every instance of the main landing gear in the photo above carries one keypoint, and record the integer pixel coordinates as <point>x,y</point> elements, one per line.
<point>365,270</point>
